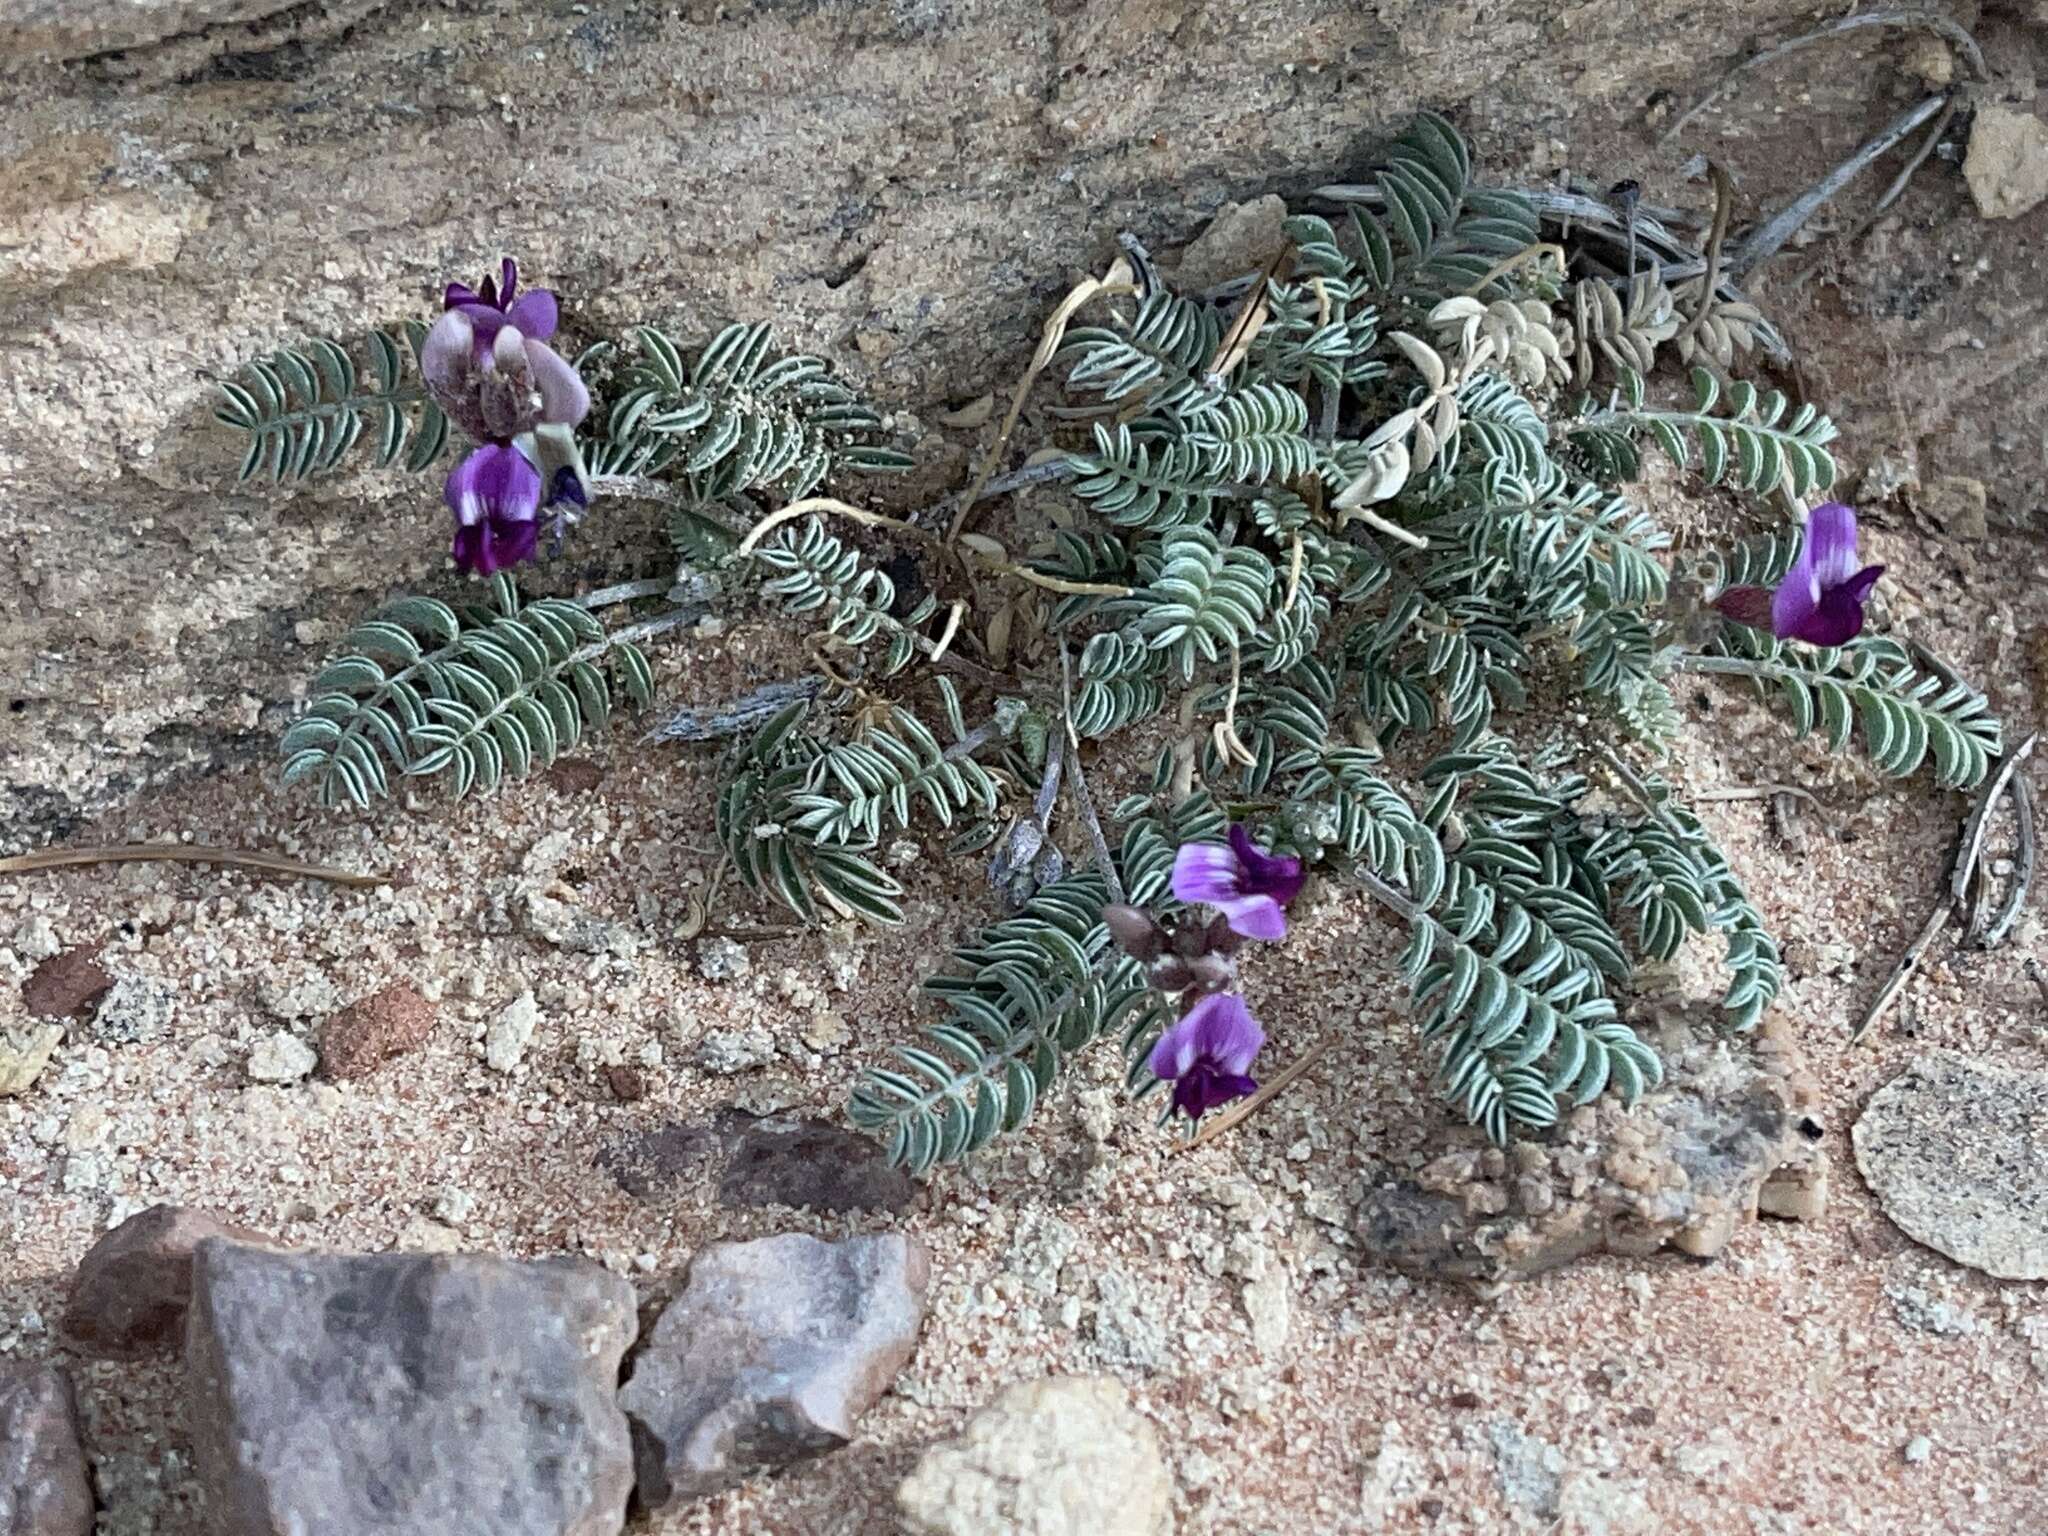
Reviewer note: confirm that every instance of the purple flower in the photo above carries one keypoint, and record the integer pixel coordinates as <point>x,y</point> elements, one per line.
<point>495,496</point>
<point>1821,598</point>
<point>494,380</point>
<point>1208,1055</point>
<point>490,369</point>
<point>1251,887</point>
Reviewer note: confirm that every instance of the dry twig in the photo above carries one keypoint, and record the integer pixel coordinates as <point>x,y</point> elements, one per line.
<point>186,853</point>
<point>1969,849</point>
<point>1933,21</point>
<point>1118,279</point>
<point>1237,1114</point>
<point>1769,237</point>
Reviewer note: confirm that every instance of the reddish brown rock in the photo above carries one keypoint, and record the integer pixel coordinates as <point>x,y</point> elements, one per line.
<point>626,1083</point>
<point>575,776</point>
<point>45,1489</point>
<point>67,985</point>
<point>134,1285</point>
<point>372,1030</point>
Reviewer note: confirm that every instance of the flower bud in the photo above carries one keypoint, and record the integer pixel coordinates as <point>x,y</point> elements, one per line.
<point>1136,932</point>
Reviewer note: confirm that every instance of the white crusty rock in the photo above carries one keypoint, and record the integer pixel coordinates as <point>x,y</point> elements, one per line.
<point>1068,1456</point>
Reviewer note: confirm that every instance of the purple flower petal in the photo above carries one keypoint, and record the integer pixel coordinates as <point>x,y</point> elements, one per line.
<point>1796,601</point>
<point>490,547</point>
<point>1205,872</point>
<point>1225,1031</point>
<point>1838,617</point>
<point>1858,586</point>
<point>1205,1088</point>
<point>1208,1055</point>
<point>564,399</point>
<point>1256,917</point>
<point>1276,875</point>
<point>535,314</point>
<point>495,484</point>
<point>1830,546</point>
<point>1746,605</point>
<point>487,319</point>
<point>508,282</point>
<point>445,355</point>
<point>457,294</point>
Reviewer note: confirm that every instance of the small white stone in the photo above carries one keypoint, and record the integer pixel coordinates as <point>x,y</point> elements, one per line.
<point>453,1207</point>
<point>36,939</point>
<point>282,1058</point>
<point>1918,1449</point>
<point>510,1033</point>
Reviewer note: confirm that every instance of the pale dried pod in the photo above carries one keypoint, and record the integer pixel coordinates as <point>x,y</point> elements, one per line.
<point>1423,357</point>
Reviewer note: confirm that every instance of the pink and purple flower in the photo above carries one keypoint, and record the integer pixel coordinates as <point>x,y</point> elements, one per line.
<point>1821,598</point>
<point>1251,888</point>
<point>490,369</point>
<point>1208,1055</point>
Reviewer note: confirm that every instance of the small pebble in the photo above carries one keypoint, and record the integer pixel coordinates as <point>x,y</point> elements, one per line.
<point>1918,1449</point>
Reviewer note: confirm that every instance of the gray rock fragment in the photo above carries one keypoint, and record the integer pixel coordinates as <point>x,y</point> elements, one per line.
<point>770,1354</point>
<point>752,1161</point>
<point>1683,1169</point>
<point>45,1488</point>
<point>463,1395</point>
<point>1956,1150</point>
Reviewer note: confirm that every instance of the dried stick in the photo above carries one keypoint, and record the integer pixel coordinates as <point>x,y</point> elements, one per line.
<point>1752,792</point>
<point>186,853</point>
<point>1932,21</point>
<point>1969,847</point>
<point>1901,181</point>
<point>1237,1114</point>
<point>664,493</point>
<point>2023,868</point>
<point>1116,280</point>
<point>627,591</point>
<point>1980,818</point>
<point>1077,786</point>
<point>821,504</point>
<point>1906,969</point>
<point>1031,474</point>
<point>1724,210</point>
<point>1766,240</point>
<point>741,714</point>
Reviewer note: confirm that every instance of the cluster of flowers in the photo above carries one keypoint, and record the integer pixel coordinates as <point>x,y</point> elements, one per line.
<point>488,364</point>
<point>1208,1054</point>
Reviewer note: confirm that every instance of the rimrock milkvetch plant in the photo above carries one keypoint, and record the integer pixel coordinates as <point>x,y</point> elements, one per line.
<point>1337,542</point>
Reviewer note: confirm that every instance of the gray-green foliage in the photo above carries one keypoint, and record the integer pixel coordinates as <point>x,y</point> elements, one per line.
<point>303,408</point>
<point>736,424</point>
<point>1328,646</point>
<point>479,693</point>
<point>1333,567</point>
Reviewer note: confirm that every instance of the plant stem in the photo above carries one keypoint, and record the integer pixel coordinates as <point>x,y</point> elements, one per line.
<point>627,591</point>
<point>646,629</point>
